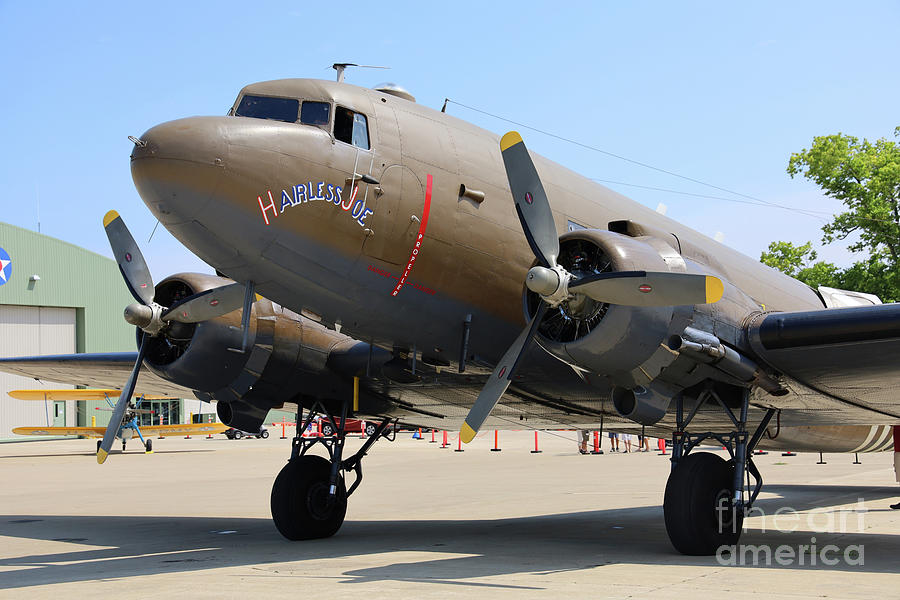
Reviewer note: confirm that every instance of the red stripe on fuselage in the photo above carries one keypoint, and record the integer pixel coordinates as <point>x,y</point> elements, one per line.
<point>420,237</point>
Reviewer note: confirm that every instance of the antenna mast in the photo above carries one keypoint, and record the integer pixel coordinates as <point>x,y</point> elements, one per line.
<point>339,67</point>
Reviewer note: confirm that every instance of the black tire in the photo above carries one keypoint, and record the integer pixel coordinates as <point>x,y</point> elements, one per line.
<point>327,430</point>
<point>149,446</point>
<point>264,435</point>
<point>299,496</point>
<point>370,429</point>
<point>238,435</point>
<point>98,445</point>
<point>697,506</point>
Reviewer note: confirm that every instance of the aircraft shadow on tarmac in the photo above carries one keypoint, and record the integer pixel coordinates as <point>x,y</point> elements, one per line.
<point>139,545</point>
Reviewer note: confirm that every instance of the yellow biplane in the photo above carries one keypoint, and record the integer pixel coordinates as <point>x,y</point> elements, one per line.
<point>129,426</point>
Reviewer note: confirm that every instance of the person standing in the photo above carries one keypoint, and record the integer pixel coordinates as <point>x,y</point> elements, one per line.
<point>613,441</point>
<point>896,460</point>
<point>585,436</point>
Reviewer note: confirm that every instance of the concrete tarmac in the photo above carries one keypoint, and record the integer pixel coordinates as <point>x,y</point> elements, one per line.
<point>193,519</point>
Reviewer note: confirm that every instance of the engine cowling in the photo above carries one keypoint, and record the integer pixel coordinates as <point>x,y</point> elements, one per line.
<point>287,358</point>
<point>625,344</point>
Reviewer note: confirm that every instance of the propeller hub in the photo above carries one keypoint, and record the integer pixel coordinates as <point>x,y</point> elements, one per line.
<point>551,284</point>
<point>147,317</point>
<point>138,314</point>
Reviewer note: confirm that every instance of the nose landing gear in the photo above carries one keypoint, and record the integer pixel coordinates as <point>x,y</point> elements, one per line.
<point>309,496</point>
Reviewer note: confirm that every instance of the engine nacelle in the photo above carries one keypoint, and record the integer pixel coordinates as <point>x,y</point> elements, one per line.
<point>287,359</point>
<point>623,343</point>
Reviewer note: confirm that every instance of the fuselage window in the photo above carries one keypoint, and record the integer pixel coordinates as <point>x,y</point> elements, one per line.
<point>266,107</point>
<point>351,127</point>
<point>314,113</point>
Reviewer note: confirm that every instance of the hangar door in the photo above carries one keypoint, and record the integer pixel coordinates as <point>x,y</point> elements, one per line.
<point>29,331</point>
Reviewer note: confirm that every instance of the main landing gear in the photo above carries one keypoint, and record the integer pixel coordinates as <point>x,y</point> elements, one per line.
<point>148,445</point>
<point>705,501</point>
<point>309,498</point>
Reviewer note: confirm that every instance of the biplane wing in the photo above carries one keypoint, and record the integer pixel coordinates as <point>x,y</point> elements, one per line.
<point>76,395</point>
<point>83,431</point>
<point>147,430</point>
<point>187,428</point>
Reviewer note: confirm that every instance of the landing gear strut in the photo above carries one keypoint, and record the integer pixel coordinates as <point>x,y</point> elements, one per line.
<point>309,497</point>
<point>705,501</point>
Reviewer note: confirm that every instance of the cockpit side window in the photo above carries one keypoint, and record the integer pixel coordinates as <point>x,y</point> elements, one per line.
<point>315,113</point>
<point>351,127</point>
<point>267,107</point>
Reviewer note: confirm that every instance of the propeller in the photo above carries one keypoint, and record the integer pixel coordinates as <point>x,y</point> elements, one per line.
<point>150,316</point>
<point>554,284</point>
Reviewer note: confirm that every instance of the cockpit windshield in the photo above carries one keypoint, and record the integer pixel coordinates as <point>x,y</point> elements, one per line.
<point>315,113</point>
<point>267,107</point>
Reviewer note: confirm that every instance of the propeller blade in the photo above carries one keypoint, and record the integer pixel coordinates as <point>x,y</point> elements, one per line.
<point>531,201</point>
<point>500,379</point>
<point>207,305</point>
<point>115,420</point>
<point>128,255</point>
<point>648,288</point>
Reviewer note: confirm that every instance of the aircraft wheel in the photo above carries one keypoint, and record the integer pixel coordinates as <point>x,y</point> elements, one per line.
<point>149,446</point>
<point>327,430</point>
<point>697,506</point>
<point>370,429</point>
<point>238,434</point>
<point>299,502</point>
<point>98,445</point>
<point>264,435</point>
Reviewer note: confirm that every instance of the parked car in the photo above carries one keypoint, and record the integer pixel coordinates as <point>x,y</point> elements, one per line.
<point>235,434</point>
<point>352,426</point>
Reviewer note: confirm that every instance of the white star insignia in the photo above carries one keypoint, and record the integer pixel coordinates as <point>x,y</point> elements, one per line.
<point>3,264</point>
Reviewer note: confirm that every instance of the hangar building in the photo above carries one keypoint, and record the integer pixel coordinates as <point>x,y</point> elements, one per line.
<point>57,298</point>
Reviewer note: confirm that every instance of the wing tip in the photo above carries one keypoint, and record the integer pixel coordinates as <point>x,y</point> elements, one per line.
<point>509,139</point>
<point>110,217</point>
<point>101,456</point>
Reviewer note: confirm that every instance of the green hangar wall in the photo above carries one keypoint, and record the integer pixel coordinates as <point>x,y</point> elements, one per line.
<point>55,298</point>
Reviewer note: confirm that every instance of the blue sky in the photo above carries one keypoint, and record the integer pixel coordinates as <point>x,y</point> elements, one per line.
<point>717,92</point>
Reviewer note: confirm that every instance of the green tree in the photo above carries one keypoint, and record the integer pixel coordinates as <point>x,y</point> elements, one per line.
<point>865,177</point>
<point>797,261</point>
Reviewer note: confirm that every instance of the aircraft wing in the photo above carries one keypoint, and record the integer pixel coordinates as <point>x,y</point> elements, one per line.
<point>76,395</point>
<point>85,431</point>
<point>105,370</point>
<point>184,429</point>
<point>852,354</point>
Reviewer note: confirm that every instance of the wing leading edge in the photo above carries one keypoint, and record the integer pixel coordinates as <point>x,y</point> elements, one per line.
<point>847,353</point>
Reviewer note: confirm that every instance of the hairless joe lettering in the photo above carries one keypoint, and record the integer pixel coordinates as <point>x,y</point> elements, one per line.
<point>314,191</point>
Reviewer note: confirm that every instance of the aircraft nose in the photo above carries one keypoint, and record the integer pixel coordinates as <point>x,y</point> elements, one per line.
<point>177,166</point>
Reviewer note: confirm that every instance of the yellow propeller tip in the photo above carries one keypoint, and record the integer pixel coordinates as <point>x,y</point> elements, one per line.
<point>510,139</point>
<point>101,456</point>
<point>110,217</point>
<point>466,433</point>
<point>714,289</point>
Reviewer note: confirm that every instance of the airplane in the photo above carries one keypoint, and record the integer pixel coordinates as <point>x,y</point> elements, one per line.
<point>379,259</point>
<point>128,425</point>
